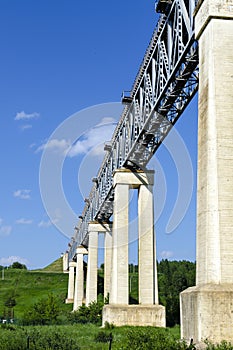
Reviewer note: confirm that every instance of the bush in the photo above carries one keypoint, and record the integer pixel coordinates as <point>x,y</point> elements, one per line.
<point>103,337</point>
<point>51,338</point>
<point>18,265</point>
<point>108,325</point>
<point>222,346</point>
<point>44,312</point>
<point>88,314</point>
<point>148,338</point>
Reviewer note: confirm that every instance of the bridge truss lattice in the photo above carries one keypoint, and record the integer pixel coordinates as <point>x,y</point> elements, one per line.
<point>166,82</point>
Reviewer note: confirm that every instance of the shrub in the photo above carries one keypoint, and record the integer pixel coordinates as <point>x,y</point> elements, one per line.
<point>88,314</point>
<point>148,338</point>
<point>44,338</point>
<point>103,337</point>
<point>44,312</point>
<point>108,325</point>
<point>18,265</point>
<point>224,345</point>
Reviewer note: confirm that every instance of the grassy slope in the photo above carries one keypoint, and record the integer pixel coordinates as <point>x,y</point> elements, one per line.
<point>55,266</point>
<point>27,287</point>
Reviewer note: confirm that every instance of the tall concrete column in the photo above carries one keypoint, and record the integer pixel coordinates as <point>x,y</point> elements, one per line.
<point>119,312</point>
<point>79,280</point>
<point>105,228</point>
<point>70,296</point>
<point>207,309</point>
<point>119,293</point>
<point>148,288</point>
<point>65,262</point>
<point>92,265</point>
<point>107,261</point>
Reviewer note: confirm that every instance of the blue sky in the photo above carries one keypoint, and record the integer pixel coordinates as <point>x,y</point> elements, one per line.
<point>59,58</point>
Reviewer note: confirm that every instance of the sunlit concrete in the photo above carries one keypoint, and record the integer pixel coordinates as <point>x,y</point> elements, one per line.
<point>70,296</point>
<point>94,229</point>
<point>79,280</point>
<point>119,311</point>
<point>207,308</point>
<point>92,265</point>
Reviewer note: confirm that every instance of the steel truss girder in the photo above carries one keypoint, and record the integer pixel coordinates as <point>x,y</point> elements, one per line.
<point>166,82</point>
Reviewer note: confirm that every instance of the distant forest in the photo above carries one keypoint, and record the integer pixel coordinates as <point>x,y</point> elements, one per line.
<point>173,278</point>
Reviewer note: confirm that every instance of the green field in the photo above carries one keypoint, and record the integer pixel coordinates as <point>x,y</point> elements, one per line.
<point>27,287</point>
<point>84,337</point>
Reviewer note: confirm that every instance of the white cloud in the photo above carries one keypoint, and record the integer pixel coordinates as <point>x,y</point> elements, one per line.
<point>43,223</point>
<point>22,194</point>
<point>26,116</point>
<point>166,254</point>
<point>5,231</point>
<point>107,120</point>
<point>48,223</point>
<point>11,259</point>
<point>26,126</point>
<point>56,217</point>
<point>32,145</point>
<point>55,145</point>
<point>94,139</point>
<point>23,221</point>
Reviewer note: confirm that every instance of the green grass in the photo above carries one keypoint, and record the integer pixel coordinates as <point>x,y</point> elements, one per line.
<point>27,287</point>
<point>83,335</point>
<point>55,266</point>
<point>133,287</point>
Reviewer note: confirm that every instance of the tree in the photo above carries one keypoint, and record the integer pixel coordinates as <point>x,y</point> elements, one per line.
<point>173,278</point>
<point>88,314</point>
<point>44,312</point>
<point>18,265</point>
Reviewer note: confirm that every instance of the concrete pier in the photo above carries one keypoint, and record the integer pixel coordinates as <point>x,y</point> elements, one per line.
<point>70,297</point>
<point>94,228</point>
<point>207,308</point>
<point>107,260</point>
<point>92,265</point>
<point>119,311</point>
<point>79,280</point>
<point>65,263</point>
<point>148,288</point>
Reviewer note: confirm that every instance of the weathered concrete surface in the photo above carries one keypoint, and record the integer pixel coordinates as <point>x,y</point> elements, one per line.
<point>215,152</point>
<point>211,307</point>
<point>207,308</point>
<point>134,315</point>
<point>119,278</point>
<point>147,268</point>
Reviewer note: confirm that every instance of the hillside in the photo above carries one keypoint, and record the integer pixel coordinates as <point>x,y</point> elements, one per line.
<point>27,287</point>
<point>55,266</point>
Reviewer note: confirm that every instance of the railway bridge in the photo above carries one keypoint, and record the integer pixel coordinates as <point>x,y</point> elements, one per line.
<point>191,50</point>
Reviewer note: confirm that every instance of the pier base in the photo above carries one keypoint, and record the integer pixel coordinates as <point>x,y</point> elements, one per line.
<point>134,315</point>
<point>207,313</point>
